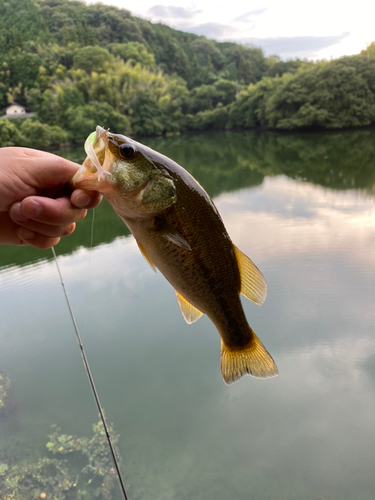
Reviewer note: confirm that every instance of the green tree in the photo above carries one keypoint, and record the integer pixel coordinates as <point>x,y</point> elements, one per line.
<point>24,68</point>
<point>20,21</point>
<point>278,68</point>
<point>91,58</point>
<point>337,94</point>
<point>34,134</point>
<point>135,52</point>
<point>9,133</point>
<point>245,71</point>
<point>249,108</point>
<point>145,114</point>
<point>225,91</point>
<point>369,50</point>
<point>217,118</point>
<point>82,120</point>
<point>208,53</point>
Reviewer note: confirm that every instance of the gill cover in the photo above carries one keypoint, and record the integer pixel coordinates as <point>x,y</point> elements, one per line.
<point>136,176</point>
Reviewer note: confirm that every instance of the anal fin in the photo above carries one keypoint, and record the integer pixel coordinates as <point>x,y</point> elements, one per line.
<point>252,359</point>
<point>189,312</point>
<point>253,284</point>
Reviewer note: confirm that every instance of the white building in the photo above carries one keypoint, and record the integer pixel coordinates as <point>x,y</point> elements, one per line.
<point>15,110</point>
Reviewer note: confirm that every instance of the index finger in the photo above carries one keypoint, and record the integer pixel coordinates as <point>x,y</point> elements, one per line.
<point>59,211</point>
<point>85,199</point>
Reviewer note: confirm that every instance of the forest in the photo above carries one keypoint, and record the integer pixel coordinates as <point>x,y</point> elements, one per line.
<point>75,66</point>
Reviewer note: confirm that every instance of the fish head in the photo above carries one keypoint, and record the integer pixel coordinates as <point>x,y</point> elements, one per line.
<point>130,175</point>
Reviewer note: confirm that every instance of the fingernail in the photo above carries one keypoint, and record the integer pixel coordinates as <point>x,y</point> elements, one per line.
<point>82,200</point>
<point>32,208</point>
<point>15,213</point>
<point>26,234</point>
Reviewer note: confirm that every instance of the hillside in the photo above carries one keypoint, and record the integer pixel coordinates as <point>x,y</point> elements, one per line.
<point>77,65</point>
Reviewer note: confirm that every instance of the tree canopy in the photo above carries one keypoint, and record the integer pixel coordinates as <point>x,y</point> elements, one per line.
<point>77,65</point>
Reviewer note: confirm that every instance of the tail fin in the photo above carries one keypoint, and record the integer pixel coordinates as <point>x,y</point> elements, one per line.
<point>252,359</point>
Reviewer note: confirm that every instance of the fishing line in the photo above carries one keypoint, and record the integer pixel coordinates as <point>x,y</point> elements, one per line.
<point>92,228</point>
<point>88,371</point>
<point>83,329</point>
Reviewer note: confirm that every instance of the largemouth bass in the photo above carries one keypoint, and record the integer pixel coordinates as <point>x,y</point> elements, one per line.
<point>180,232</point>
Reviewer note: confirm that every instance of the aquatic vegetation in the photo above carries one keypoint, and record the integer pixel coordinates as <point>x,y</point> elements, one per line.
<point>33,478</point>
<point>6,403</point>
<point>3,469</point>
<point>95,450</point>
<point>53,478</point>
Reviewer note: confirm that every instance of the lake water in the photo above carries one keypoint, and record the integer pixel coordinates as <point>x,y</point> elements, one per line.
<point>302,207</point>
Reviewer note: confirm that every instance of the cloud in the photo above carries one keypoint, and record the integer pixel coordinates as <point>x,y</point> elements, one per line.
<point>244,18</point>
<point>298,46</point>
<point>321,221</point>
<point>212,30</point>
<point>171,12</point>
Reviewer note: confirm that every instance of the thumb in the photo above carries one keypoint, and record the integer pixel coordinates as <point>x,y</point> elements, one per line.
<point>29,172</point>
<point>50,171</point>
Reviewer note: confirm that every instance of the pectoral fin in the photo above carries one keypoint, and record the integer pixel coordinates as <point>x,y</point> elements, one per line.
<point>189,312</point>
<point>175,237</point>
<point>253,285</point>
<point>146,256</point>
<point>170,233</point>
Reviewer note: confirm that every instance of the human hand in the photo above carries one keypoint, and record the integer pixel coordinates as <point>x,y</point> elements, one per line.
<point>36,206</point>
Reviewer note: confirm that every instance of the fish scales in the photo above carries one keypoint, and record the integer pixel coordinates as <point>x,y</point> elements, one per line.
<point>199,274</point>
<point>180,232</point>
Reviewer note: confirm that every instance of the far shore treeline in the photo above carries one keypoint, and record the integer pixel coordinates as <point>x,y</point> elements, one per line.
<point>76,66</point>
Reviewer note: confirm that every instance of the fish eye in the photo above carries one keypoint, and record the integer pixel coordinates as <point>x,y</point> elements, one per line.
<point>127,151</point>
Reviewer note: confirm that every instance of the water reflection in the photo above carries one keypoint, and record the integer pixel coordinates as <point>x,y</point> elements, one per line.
<point>228,161</point>
<point>338,160</point>
<point>309,226</point>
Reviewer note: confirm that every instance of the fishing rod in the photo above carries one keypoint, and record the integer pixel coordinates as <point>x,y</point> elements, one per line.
<point>91,380</point>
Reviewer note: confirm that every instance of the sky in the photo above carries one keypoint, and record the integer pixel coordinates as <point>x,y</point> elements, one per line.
<point>321,29</point>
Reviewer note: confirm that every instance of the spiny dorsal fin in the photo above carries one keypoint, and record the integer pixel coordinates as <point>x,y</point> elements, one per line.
<point>252,359</point>
<point>189,312</point>
<point>146,256</point>
<point>253,285</point>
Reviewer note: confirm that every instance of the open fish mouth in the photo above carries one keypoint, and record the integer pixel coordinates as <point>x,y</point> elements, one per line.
<point>92,168</point>
<point>95,149</point>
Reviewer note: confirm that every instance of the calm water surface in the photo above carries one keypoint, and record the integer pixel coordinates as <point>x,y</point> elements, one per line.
<point>302,207</point>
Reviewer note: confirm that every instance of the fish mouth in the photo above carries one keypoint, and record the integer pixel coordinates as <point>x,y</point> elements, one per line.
<point>92,172</point>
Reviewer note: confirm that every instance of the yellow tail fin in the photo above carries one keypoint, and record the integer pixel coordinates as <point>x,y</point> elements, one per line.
<point>252,359</point>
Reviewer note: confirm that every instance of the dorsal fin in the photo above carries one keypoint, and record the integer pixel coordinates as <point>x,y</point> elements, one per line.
<point>253,285</point>
<point>189,312</point>
<point>146,256</point>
